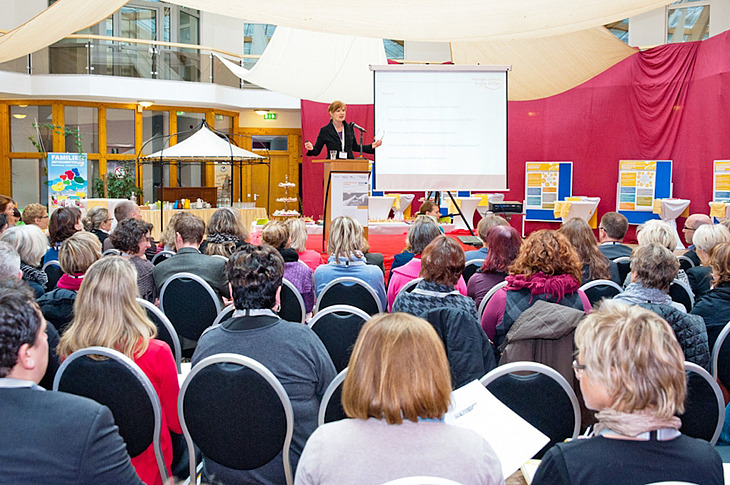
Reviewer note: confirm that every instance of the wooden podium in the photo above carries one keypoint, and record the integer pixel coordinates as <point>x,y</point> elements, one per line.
<point>360,165</point>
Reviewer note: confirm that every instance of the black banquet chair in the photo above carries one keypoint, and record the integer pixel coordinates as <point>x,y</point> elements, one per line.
<point>330,409</point>
<point>597,290</point>
<point>338,327</point>
<point>685,263</point>
<point>190,304</point>
<point>681,293</point>
<point>237,412</point>
<point>165,331</point>
<point>119,384</point>
<point>704,407</point>
<point>162,256</point>
<point>721,357</point>
<point>349,291</point>
<point>54,272</point>
<point>292,304</point>
<point>494,289</point>
<point>470,268</point>
<point>543,398</point>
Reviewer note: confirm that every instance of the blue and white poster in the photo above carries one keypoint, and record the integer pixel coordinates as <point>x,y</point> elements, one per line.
<point>67,179</point>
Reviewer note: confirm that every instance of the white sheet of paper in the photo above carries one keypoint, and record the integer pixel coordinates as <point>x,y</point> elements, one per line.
<point>513,439</point>
<point>379,134</point>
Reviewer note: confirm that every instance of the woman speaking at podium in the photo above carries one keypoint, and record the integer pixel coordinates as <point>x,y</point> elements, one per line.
<point>339,136</point>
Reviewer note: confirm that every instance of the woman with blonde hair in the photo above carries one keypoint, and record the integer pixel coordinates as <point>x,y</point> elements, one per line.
<point>714,307</point>
<point>595,264</point>
<point>31,244</point>
<point>167,238</point>
<point>705,238</point>
<point>631,370</point>
<point>347,259</point>
<point>298,242</point>
<point>98,221</point>
<point>397,391</point>
<point>276,235</point>
<point>224,233</point>
<point>106,314</point>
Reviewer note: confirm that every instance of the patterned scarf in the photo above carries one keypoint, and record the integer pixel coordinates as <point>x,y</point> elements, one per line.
<point>33,274</point>
<point>220,238</point>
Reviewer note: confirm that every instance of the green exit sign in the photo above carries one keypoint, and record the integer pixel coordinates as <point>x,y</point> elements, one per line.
<point>270,116</point>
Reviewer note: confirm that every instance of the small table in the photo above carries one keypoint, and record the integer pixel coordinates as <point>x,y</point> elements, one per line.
<point>379,207</point>
<point>405,202</point>
<point>671,209</point>
<point>468,206</point>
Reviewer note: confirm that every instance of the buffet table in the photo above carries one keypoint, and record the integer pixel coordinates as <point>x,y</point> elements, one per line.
<point>153,217</point>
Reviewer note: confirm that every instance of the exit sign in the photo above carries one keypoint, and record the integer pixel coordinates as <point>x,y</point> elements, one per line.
<point>270,116</point>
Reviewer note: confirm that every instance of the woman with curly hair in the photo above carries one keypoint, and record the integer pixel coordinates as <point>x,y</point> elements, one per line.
<point>595,264</point>
<point>224,233</point>
<point>505,243</point>
<point>547,268</point>
<point>132,238</point>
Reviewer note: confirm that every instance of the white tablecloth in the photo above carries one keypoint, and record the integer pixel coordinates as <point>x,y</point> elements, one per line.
<point>583,209</point>
<point>468,205</point>
<point>379,206</point>
<point>671,209</point>
<point>405,201</point>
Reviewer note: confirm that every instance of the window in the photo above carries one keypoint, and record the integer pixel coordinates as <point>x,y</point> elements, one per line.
<point>30,121</point>
<point>86,120</point>
<point>688,20</point>
<point>120,131</point>
<point>620,29</point>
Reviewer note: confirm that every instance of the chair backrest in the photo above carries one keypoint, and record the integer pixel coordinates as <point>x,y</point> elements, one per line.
<point>470,268</point>
<point>220,256</point>
<point>111,252</point>
<point>494,289</point>
<point>598,289</point>
<point>422,480</point>
<point>237,412</point>
<point>190,304</point>
<point>292,304</point>
<point>162,256</point>
<point>624,267</point>
<point>330,409</point>
<point>543,398</point>
<point>54,272</point>
<point>119,384</point>
<point>704,407</point>
<point>681,293</point>
<point>407,288</point>
<point>338,327</point>
<point>349,291</point>
<point>685,263</point>
<point>224,315</point>
<point>721,357</point>
<point>165,331</point>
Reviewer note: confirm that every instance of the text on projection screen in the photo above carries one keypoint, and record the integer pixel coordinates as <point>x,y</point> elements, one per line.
<point>441,130</point>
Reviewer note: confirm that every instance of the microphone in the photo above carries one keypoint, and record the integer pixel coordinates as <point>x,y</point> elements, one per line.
<point>355,125</point>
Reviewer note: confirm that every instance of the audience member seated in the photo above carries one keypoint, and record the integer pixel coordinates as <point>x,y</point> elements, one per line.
<point>76,255</point>
<point>129,210</point>
<point>595,265</point>
<point>31,244</point>
<point>706,237</point>
<point>415,231</point>
<point>611,233</point>
<point>714,307</point>
<point>3,222</point>
<point>98,221</point>
<point>420,234</point>
<point>224,233</point>
<point>505,242</point>
<point>429,208</point>
<point>276,235</point>
<point>631,371</point>
<point>346,258</point>
<point>442,263</point>
<point>373,259</point>
<point>106,314</point>
<point>401,258</point>
<point>48,436</point>
<point>7,207</point>
<point>36,214</point>
<point>547,268</point>
<point>691,224</point>
<point>298,241</point>
<point>653,268</point>
<point>132,238</point>
<point>485,224</point>
<point>167,238</point>
<point>658,232</point>
<point>189,232</point>
<point>293,353</point>
<point>64,222</point>
<point>396,391</point>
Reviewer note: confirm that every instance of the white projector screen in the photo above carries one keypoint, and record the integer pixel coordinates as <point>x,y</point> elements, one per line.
<point>443,127</point>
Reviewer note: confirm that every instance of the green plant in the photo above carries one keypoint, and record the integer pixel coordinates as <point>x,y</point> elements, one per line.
<point>117,187</point>
<point>59,130</point>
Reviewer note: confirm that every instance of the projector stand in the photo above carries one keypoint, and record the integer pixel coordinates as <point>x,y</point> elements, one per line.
<point>461,214</point>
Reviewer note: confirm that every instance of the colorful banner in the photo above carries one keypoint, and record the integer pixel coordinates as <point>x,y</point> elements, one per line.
<point>721,181</point>
<point>637,185</point>
<point>541,184</point>
<point>67,179</point>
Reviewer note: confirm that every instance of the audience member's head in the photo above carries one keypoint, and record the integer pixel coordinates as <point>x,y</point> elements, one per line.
<point>428,208</point>
<point>3,222</point>
<point>692,223</point>
<point>225,229</point>
<point>442,261</point>
<point>653,266</point>
<point>504,244</point>
<point>489,221</point>
<point>633,357</point>
<point>106,312</point>
<point>255,274</point>
<point>275,234</point>
<point>64,222</point>
<point>398,370</point>
<point>7,207</point>
<point>297,234</point>
<point>548,252</point>
<point>423,230</point>
<point>726,222</point>
<point>36,214</point>
<point>189,231</point>
<point>132,236</point>
<point>127,210</point>
<point>657,232</point>
<point>9,262</point>
<point>613,227</point>
<point>720,262</point>
<point>581,237</point>
<point>23,339</point>
<point>79,252</point>
<point>708,236</point>
<point>29,241</point>
<point>97,219</point>
<point>167,238</point>
<point>345,241</point>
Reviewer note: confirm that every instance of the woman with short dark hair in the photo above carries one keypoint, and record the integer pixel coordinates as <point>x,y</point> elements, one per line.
<point>504,243</point>
<point>64,222</point>
<point>132,238</point>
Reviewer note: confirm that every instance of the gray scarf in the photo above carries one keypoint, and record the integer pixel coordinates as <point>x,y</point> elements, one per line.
<point>636,293</point>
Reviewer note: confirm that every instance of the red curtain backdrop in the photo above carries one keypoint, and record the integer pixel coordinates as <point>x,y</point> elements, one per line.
<point>669,102</point>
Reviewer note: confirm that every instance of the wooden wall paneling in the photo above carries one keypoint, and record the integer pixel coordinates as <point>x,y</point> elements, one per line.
<point>173,140</point>
<point>208,173</point>
<point>6,180</point>
<point>102,141</point>
<point>59,119</point>
<point>138,141</point>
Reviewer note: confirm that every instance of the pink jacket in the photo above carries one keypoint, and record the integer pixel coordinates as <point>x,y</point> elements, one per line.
<point>407,272</point>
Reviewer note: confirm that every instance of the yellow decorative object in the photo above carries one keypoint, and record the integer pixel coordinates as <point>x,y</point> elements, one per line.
<point>593,221</point>
<point>717,209</point>
<point>396,202</point>
<point>485,200</point>
<point>573,199</point>
<point>657,206</point>
<point>562,208</point>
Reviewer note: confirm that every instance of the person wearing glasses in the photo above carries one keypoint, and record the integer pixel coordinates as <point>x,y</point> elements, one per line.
<point>631,370</point>
<point>99,222</point>
<point>611,233</point>
<point>36,214</point>
<point>691,224</point>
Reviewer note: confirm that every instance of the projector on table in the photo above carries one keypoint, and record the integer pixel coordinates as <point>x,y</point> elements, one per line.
<point>506,207</point>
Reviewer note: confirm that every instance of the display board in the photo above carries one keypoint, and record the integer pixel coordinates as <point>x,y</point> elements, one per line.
<point>442,126</point>
<point>721,181</point>
<point>67,179</point>
<point>546,183</point>
<point>640,182</point>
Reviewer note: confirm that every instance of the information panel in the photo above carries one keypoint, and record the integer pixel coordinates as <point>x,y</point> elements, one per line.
<point>721,181</point>
<point>545,184</point>
<point>640,182</point>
